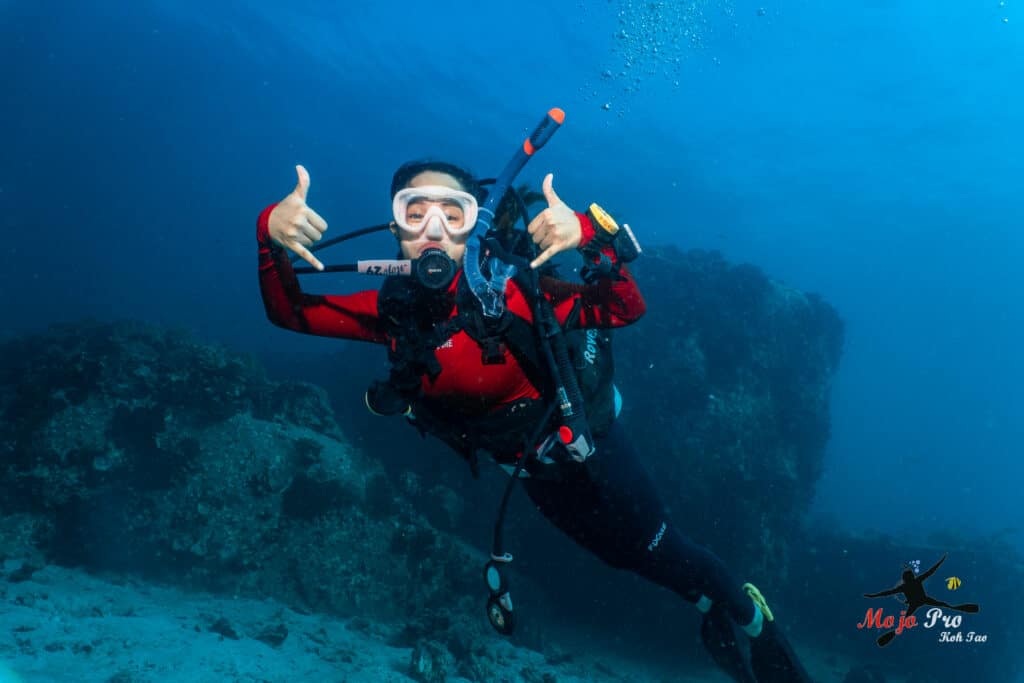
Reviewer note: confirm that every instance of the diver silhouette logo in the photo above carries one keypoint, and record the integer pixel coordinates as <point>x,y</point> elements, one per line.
<point>911,587</point>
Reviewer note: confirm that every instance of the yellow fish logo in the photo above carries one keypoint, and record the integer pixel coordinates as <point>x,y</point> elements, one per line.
<point>952,583</point>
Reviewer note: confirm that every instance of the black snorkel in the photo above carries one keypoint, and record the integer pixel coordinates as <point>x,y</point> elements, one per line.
<point>490,289</point>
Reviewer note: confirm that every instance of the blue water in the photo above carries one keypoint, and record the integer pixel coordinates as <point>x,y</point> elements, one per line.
<point>867,151</point>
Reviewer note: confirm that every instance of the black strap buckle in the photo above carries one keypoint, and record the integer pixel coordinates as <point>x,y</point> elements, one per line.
<point>492,351</point>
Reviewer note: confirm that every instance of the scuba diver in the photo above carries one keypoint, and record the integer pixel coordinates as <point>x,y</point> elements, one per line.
<point>482,383</point>
<point>914,596</point>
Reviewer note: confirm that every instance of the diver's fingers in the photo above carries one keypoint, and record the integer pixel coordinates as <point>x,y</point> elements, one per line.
<point>302,187</point>
<point>309,230</point>
<point>306,255</point>
<point>536,223</point>
<point>542,222</point>
<point>543,258</point>
<point>549,239</point>
<point>315,219</point>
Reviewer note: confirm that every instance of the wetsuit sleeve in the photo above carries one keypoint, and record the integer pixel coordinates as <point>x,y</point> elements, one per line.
<point>352,316</point>
<point>609,302</point>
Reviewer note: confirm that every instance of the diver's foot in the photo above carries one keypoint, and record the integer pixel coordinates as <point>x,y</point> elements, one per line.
<point>773,659</point>
<point>727,645</point>
<point>771,655</point>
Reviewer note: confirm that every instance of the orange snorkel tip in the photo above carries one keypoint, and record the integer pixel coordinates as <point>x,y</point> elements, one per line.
<point>547,127</point>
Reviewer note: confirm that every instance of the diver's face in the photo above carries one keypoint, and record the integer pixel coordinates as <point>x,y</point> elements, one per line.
<point>434,236</point>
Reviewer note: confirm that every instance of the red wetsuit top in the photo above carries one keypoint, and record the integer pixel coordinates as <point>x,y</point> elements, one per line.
<point>465,382</point>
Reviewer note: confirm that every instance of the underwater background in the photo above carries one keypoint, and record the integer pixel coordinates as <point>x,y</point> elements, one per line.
<point>867,153</point>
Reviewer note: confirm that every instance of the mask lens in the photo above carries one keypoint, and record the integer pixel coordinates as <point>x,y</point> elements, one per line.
<point>415,208</point>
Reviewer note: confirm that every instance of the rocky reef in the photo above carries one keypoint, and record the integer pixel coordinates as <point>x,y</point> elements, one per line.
<point>139,449</point>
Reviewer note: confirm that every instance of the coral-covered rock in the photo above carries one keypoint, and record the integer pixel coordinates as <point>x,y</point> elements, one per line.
<point>137,448</point>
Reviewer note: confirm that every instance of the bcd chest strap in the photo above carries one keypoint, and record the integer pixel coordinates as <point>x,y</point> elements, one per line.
<point>417,328</point>
<point>509,332</point>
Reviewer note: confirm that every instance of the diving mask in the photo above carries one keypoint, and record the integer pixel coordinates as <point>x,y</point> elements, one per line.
<point>434,207</point>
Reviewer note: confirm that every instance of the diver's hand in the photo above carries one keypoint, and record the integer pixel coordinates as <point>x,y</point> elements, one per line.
<point>294,225</point>
<point>556,228</point>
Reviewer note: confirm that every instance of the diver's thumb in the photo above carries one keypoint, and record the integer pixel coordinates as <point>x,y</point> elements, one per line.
<point>549,190</point>
<point>302,187</point>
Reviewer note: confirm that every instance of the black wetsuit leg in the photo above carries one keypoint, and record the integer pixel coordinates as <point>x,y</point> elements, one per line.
<point>610,507</point>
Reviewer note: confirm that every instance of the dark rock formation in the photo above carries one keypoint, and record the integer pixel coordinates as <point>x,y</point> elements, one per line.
<point>727,383</point>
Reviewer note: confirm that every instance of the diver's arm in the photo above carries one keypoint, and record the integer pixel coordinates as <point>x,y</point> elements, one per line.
<point>352,316</point>
<point>609,302</point>
<point>891,591</point>
<point>931,571</point>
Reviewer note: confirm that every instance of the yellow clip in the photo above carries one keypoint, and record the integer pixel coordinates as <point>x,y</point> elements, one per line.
<point>755,595</point>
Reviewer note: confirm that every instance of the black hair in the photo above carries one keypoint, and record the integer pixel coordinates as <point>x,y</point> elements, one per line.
<point>411,169</point>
